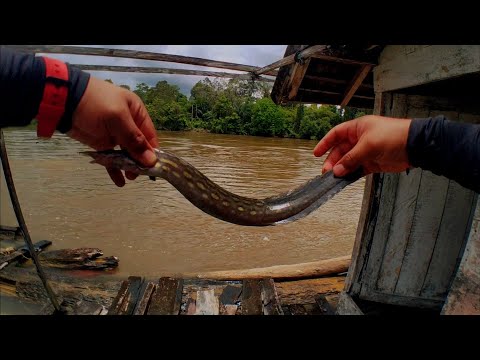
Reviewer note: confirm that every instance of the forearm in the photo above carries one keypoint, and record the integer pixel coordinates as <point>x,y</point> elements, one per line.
<point>22,81</point>
<point>446,148</point>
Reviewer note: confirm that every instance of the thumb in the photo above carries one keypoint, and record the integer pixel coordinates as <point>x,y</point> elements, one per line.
<point>350,162</point>
<point>130,138</point>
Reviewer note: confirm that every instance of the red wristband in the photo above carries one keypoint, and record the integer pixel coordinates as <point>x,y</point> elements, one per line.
<point>52,106</point>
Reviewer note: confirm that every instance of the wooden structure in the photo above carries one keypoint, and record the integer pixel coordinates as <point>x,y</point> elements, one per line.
<point>418,243</point>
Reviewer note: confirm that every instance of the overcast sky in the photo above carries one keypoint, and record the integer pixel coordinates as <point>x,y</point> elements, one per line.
<point>256,55</point>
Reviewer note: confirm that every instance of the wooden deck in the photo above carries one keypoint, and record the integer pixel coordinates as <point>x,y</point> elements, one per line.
<point>172,296</point>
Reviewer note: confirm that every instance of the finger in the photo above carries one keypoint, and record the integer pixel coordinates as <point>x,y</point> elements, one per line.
<point>351,161</point>
<point>338,134</point>
<point>130,175</point>
<point>129,137</point>
<point>116,176</point>
<point>144,122</point>
<point>335,155</point>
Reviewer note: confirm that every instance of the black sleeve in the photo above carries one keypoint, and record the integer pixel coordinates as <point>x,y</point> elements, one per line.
<point>22,80</point>
<point>446,148</point>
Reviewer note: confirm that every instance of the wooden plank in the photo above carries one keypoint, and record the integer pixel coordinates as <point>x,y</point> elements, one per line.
<point>271,303</point>
<point>306,290</point>
<point>298,72</point>
<point>342,60</point>
<point>126,299</point>
<point>404,208</point>
<point>120,300</point>
<point>355,84</point>
<point>347,306</point>
<point>133,54</point>
<point>158,70</point>
<point>464,295</point>
<point>13,229</point>
<point>453,233</point>
<point>428,216</point>
<point>399,69</point>
<point>167,298</point>
<point>230,295</point>
<point>295,271</point>
<point>324,305</point>
<point>145,296</point>
<point>388,190</point>
<point>207,303</point>
<point>290,59</point>
<point>402,220</point>
<point>323,79</point>
<point>252,297</point>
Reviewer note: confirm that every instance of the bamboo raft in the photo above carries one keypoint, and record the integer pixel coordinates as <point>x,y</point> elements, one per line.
<point>301,289</point>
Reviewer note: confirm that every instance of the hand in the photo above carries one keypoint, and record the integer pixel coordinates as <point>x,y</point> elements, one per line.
<point>107,116</point>
<point>376,143</point>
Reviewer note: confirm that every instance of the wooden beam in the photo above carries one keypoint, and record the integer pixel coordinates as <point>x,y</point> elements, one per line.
<point>355,84</point>
<point>157,70</point>
<point>342,60</point>
<point>298,73</point>
<point>403,66</point>
<point>335,93</point>
<point>295,271</point>
<point>308,52</point>
<point>333,81</point>
<point>133,54</point>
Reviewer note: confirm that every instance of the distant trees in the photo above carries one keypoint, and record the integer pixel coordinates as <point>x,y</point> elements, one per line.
<point>236,107</point>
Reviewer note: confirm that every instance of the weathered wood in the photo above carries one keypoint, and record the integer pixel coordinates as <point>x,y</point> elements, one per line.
<point>388,188</point>
<point>324,305</point>
<point>167,297</point>
<point>402,220</point>
<point>78,259</point>
<point>207,303</point>
<point>252,297</point>
<point>355,84</point>
<point>271,302</point>
<point>297,309</point>
<point>13,229</point>
<point>127,297</point>
<point>229,310</point>
<point>428,215</point>
<point>146,296</point>
<point>326,92</point>
<point>452,235</point>
<point>400,67</point>
<point>290,59</point>
<point>118,304</point>
<point>341,59</point>
<point>305,291</point>
<point>464,295</point>
<point>334,81</point>
<point>133,54</point>
<point>298,72</point>
<point>295,271</point>
<point>347,306</point>
<point>230,295</point>
<point>158,70</point>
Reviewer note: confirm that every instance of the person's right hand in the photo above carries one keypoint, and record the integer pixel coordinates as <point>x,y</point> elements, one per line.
<point>107,116</point>
<point>375,143</point>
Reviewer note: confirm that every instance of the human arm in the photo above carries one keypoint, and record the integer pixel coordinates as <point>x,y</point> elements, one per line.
<point>98,114</point>
<point>383,144</point>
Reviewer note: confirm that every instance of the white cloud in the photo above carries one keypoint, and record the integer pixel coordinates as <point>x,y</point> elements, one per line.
<point>256,55</point>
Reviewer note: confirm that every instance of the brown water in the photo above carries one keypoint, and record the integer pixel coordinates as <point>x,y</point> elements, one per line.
<point>152,228</point>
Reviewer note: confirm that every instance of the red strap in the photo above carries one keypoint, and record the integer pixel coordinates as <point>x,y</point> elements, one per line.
<point>52,106</point>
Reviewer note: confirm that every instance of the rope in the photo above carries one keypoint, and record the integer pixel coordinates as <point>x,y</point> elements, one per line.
<point>22,225</point>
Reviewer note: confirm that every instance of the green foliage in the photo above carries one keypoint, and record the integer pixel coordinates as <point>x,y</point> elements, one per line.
<point>237,107</point>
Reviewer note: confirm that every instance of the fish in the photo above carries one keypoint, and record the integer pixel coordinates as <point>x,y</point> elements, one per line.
<point>222,204</point>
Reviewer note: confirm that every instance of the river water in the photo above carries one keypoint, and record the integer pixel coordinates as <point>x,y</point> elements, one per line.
<point>151,228</point>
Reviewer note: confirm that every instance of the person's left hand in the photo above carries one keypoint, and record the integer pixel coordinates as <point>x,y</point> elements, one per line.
<point>107,116</point>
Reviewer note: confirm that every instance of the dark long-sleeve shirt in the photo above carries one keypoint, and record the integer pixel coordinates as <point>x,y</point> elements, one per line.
<point>22,80</point>
<point>446,148</point>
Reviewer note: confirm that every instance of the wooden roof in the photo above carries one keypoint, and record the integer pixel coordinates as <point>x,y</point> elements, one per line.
<point>337,75</point>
